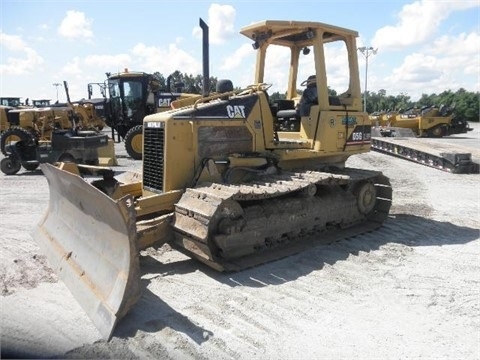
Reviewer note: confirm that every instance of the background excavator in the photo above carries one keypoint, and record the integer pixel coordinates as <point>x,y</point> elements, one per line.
<point>220,182</point>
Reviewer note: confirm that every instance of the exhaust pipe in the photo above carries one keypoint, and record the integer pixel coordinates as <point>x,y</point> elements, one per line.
<point>205,58</point>
<point>65,85</point>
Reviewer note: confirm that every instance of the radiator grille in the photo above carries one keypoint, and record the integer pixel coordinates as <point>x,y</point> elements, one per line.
<point>153,158</point>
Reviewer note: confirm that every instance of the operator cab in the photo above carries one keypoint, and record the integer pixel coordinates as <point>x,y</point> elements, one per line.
<point>321,61</point>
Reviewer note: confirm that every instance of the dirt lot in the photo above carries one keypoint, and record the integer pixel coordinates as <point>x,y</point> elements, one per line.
<point>408,290</point>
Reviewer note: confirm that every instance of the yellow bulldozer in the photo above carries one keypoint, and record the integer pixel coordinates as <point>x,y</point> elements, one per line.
<point>220,182</point>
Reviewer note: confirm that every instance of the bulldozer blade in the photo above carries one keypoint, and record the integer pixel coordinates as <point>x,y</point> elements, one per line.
<point>90,242</point>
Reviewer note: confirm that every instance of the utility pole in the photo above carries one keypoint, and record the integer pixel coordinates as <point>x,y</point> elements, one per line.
<point>56,86</point>
<point>366,51</point>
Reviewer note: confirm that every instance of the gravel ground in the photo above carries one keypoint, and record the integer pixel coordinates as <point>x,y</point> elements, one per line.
<point>409,290</point>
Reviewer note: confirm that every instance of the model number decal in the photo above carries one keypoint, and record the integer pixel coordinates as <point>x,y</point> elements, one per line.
<point>158,125</point>
<point>361,134</point>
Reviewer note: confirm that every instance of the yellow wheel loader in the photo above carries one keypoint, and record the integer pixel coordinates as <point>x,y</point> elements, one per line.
<point>132,95</point>
<point>219,181</point>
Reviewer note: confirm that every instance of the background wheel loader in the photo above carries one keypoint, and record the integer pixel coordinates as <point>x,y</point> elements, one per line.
<point>219,182</point>
<point>131,96</point>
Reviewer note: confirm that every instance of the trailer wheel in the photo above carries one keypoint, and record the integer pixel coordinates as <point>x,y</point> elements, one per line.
<point>10,165</point>
<point>30,166</point>
<point>134,142</point>
<point>15,133</point>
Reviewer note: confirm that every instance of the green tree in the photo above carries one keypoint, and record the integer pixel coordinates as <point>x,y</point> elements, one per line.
<point>183,82</point>
<point>465,104</point>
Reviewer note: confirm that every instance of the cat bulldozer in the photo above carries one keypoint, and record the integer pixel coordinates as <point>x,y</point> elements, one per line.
<point>219,182</point>
<point>131,96</point>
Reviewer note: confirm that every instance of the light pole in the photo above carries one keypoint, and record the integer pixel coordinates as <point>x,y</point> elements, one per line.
<point>366,51</point>
<point>56,86</point>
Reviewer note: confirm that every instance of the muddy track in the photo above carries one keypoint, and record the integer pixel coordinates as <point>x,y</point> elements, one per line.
<point>233,227</point>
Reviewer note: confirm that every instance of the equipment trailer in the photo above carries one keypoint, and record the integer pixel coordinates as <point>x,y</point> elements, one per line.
<point>430,152</point>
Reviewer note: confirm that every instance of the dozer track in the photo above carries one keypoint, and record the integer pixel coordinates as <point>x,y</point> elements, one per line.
<point>232,227</point>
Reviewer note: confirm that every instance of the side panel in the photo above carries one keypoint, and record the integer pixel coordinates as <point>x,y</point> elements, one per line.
<point>218,139</point>
<point>337,132</point>
<point>427,123</point>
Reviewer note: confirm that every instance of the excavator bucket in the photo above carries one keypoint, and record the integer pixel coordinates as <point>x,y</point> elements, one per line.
<point>90,242</point>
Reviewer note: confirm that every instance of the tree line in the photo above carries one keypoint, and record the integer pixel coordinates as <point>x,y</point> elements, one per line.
<point>465,104</point>
<point>182,82</point>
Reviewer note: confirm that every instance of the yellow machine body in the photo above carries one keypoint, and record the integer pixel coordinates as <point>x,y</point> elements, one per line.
<point>232,179</point>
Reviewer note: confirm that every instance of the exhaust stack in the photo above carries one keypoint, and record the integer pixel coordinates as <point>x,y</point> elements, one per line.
<point>205,58</point>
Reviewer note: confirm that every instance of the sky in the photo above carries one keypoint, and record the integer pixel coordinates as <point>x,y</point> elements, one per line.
<point>422,47</point>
